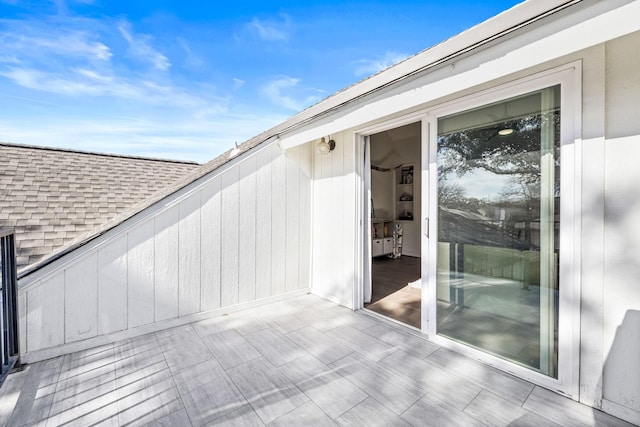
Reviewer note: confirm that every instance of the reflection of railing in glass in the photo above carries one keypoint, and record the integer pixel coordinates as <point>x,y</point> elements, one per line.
<point>498,228</point>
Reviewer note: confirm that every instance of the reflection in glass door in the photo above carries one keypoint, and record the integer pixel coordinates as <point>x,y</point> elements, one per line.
<point>498,228</point>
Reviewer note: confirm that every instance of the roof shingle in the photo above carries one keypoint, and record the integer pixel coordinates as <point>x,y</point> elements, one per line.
<point>52,196</point>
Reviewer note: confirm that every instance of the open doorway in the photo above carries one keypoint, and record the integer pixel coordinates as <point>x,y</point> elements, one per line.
<point>395,188</point>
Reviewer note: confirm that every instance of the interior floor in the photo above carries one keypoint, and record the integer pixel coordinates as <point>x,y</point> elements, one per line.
<point>391,294</point>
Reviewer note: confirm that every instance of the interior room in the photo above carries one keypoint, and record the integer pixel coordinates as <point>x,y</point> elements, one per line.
<point>395,227</point>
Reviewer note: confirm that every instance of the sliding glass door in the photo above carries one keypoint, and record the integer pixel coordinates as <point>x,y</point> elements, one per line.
<point>498,225</point>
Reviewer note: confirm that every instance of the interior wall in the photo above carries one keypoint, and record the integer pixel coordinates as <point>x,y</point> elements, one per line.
<point>382,193</point>
<point>234,237</point>
<point>388,150</point>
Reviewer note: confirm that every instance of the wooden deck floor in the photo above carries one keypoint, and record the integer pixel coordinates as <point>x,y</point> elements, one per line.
<point>303,361</point>
<point>391,296</point>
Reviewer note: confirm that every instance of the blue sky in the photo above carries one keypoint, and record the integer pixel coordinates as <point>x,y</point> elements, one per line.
<point>186,79</point>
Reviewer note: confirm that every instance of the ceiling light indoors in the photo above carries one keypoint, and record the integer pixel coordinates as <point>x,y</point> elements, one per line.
<point>325,147</point>
<point>505,132</point>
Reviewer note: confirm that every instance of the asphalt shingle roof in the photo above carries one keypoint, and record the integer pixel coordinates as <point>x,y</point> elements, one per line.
<point>52,196</point>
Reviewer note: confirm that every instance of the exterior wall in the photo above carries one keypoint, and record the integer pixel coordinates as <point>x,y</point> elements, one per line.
<point>334,272</point>
<point>235,237</point>
<point>621,293</point>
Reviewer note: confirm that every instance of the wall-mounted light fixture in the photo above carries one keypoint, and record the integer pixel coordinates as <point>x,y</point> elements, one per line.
<point>505,132</point>
<point>325,147</point>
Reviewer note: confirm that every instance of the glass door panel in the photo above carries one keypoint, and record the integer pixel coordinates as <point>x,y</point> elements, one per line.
<point>498,228</point>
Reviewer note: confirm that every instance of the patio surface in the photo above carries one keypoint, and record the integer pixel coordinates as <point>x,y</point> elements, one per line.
<point>303,361</point>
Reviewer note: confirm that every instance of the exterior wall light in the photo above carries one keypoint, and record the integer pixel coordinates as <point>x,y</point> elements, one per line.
<point>325,147</point>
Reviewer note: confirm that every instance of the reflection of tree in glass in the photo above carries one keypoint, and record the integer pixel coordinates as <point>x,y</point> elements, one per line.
<point>505,220</point>
<point>483,148</point>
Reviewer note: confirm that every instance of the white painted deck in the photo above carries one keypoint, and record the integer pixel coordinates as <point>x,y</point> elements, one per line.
<point>304,361</point>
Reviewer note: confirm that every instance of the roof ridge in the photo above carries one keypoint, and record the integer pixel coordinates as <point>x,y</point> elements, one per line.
<point>95,153</point>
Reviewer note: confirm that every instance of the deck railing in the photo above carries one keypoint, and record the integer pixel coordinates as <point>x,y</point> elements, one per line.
<point>9,352</point>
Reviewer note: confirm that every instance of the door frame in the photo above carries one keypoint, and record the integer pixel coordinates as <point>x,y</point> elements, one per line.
<point>568,78</point>
<point>363,205</point>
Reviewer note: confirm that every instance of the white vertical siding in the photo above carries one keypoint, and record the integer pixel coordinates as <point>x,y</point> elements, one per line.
<point>247,231</point>
<point>166,265</point>
<point>230,232</point>
<point>140,268</point>
<point>278,222</point>
<point>210,255</point>
<point>81,300</point>
<point>333,269</point>
<point>305,225</point>
<point>292,225</point>
<point>112,286</point>
<point>189,255</point>
<point>45,314</point>
<point>593,220</point>
<point>263,223</point>
<point>621,311</point>
<point>218,242</point>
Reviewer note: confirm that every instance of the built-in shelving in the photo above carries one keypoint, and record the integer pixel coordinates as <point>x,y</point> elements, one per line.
<point>404,193</point>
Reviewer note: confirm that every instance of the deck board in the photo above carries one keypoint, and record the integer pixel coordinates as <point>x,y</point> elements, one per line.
<point>191,375</point>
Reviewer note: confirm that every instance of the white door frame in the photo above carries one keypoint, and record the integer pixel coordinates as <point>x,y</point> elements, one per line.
<point>569,79</point>
<point>363,235</point>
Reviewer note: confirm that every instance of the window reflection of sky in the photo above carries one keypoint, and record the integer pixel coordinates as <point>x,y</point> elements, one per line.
<point>481,184</point>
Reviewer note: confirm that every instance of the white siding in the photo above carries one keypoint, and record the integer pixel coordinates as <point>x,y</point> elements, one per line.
<point>263,223</point>
<point>189,255</point>
<point>166,265</point>
<point>292,226</point>
<point>334,219</point>
<point>140,268</point>
<point>81,299</point>
<point>112,286</point>
<point>247,227</point>
<point>230,233</point>
<point>621,311</point>
<point>210,255</point>
<point>278,222</point>
<point>45,314</point>
<point>207,247</point>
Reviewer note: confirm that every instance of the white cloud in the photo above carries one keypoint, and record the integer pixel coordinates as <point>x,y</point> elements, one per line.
<point>365,67</point>
<point>274,91</point>
<point>286,92</point>
<point>36,43</point>
<point>140,47</point>
<point>238,83</point>
<point>86,82</point>
<point>196,138</point>
<point>192,59</point>
<point>9,59</point>
<point>272,31</point>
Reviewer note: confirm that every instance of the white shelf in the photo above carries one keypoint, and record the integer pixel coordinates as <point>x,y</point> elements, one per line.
<point>404,189</point>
